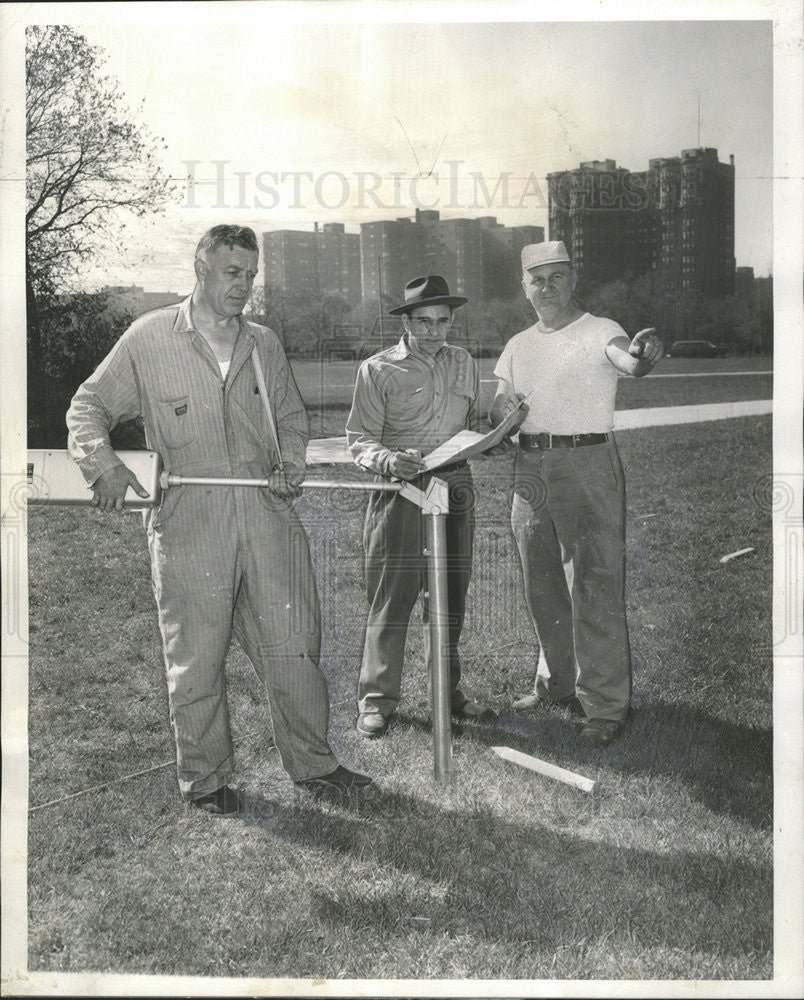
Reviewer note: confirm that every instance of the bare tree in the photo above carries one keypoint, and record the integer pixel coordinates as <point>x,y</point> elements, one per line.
<point>86,158</point>
<point>88,162</point>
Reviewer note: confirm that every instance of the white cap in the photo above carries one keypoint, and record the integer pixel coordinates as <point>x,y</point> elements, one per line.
<point>550,252</point>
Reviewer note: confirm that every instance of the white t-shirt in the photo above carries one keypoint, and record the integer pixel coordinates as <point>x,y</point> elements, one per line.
<point>572,382</point>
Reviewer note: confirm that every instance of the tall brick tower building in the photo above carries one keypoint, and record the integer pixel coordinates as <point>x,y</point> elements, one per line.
<point>675,219</point>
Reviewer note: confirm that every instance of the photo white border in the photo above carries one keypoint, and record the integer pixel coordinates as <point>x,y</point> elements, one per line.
<point>788,469</point>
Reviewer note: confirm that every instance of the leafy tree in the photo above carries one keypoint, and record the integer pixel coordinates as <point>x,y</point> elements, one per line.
<point>301,319</point>
<point>78,330</point>
<point>366,314</point>
<point>255,309</point>
<point>731,321</point>
<point>634,303</point>
<point>764,304</point>
<point>494,321</point>
<point>610,300</point>
<point>643,307</point>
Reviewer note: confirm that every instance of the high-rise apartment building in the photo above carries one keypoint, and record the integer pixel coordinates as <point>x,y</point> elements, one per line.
<point>390,255</point>
<point>455,245</point>
<point>478,258</point>
<point>693,196</point>
<point>324,260</point>
<point>290,261</point>
<point>676,219</point>
<point>501,250</point>
<point>588,210</point>
<point>339,262</point>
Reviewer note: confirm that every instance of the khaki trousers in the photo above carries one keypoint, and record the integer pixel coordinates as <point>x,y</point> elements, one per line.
<point>568,519</point>
<point>235,561</point>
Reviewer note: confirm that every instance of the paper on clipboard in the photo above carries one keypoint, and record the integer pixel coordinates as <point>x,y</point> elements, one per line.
<point>467,444</point>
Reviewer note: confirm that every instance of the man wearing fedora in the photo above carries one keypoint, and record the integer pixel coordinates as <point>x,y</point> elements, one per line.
<point>568,512</point>
<point>408,400</point>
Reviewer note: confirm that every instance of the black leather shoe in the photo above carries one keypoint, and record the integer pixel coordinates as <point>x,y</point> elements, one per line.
<point>222,802</point>
<point>372,725</point>
<point>600,732</point>
<point>537,701</point>
<point>341,779</point>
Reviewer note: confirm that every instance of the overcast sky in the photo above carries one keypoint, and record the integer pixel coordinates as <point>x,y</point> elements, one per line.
<point>488,108</point>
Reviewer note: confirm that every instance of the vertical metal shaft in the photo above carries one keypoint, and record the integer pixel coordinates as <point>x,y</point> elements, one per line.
<point>439,645</point>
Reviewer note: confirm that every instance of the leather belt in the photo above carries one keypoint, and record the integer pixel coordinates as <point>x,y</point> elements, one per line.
<point>532,442</point>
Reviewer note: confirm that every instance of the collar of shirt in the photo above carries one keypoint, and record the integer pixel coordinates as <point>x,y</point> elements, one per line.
<point>243,347</point>
<point>402,350</point>
<point>184,320</point>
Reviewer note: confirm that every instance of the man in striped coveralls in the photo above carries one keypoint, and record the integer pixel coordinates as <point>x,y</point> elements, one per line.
<point>226,560</point>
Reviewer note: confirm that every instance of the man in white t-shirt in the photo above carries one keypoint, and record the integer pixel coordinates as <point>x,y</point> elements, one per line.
<point>568,514</point>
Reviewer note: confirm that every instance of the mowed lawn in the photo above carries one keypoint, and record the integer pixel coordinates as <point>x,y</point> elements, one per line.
<point>327,386</point>
<point>663,872</point>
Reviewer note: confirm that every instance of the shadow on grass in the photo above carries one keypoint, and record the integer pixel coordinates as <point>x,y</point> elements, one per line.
<point>526,886</point>
<point>725,766</point>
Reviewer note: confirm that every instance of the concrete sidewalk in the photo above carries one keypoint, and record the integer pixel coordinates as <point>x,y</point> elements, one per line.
<point>333,451</point>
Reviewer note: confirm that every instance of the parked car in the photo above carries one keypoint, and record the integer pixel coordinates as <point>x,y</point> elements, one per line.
<point>697,349</point>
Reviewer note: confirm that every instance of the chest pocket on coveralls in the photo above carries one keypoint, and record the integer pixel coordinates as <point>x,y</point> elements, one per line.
<point>175,421</point>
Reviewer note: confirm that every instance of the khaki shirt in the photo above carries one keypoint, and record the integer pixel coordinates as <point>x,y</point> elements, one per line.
<point>403,401</point>
<point>163,370</point>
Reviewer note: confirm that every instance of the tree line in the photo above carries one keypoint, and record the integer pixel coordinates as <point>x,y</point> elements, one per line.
<point>311,324</point>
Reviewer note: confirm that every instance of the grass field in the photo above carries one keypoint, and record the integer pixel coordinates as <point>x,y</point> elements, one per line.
<point>664,872</point>
<point>327,389</point>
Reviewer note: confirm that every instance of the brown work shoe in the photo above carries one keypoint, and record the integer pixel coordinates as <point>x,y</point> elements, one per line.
<point>600,732</point>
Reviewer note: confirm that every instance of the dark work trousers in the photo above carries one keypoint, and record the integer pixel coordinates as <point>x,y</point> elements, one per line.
<point>394,540</point>
<point>568,519</point>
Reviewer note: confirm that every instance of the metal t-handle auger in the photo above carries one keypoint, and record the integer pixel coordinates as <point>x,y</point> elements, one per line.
<point>434,505</point>
<point>54,478</point>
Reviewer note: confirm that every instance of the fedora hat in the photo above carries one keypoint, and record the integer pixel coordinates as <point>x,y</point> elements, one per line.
<point>431,290</point>
<point>550,252</point>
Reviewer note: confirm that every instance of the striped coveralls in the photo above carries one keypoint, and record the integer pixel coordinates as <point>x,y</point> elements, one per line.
<point>225,560</point>
<point>403,401</point>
